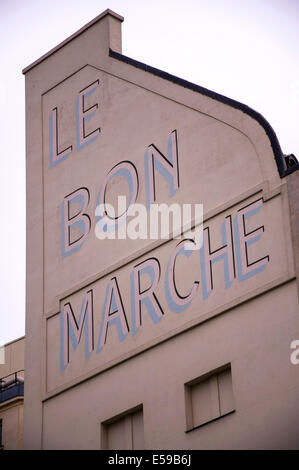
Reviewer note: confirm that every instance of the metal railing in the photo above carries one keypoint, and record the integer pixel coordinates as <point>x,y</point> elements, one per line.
<point>12,386</point>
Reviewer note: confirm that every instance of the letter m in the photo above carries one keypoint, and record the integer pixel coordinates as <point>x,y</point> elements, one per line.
<point>71,329</point>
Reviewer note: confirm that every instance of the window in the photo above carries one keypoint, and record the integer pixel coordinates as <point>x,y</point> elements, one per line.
<point>209,397</point>
<point>124,431</point>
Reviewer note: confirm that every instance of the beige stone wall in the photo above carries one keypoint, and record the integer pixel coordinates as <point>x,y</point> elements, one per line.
<point>293,193</point>
<point>137,378</point>
<point>253,337</point>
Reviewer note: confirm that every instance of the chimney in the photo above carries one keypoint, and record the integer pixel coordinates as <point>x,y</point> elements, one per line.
<point>114,30</point>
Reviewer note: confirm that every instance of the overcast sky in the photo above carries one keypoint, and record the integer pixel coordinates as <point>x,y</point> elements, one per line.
<point>244,49</point>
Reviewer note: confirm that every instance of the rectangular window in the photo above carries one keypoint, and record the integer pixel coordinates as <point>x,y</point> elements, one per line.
<point>209,397</point>
<point>124,432</point>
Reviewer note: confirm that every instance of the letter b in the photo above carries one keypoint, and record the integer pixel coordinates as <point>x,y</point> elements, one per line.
<point>71,243</point>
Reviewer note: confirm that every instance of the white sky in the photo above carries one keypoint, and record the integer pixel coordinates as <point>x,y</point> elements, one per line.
<point>244,49</point>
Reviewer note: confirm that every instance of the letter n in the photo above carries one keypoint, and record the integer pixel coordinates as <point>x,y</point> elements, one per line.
<point>167,167</point>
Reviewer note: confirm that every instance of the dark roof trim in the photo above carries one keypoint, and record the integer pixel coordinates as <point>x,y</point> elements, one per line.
<point>278,155</point>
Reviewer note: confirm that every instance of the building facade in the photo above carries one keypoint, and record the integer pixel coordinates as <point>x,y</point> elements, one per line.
<point>12,395</point>
<point>150,342</point>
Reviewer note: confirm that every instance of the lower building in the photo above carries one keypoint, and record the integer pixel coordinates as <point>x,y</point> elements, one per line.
<point>12,395</point>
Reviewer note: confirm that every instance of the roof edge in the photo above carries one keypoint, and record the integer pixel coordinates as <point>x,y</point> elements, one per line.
<point>13,341</point>
<point>73,36</point>
<point>278,155</point>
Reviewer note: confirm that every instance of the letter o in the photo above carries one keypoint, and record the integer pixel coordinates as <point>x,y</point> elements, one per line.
<point>129,171</point>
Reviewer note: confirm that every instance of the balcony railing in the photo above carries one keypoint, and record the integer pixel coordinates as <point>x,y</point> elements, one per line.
<point>12,386</point>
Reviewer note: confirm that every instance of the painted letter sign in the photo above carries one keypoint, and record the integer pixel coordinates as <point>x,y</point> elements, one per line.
<point>113,289</point>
